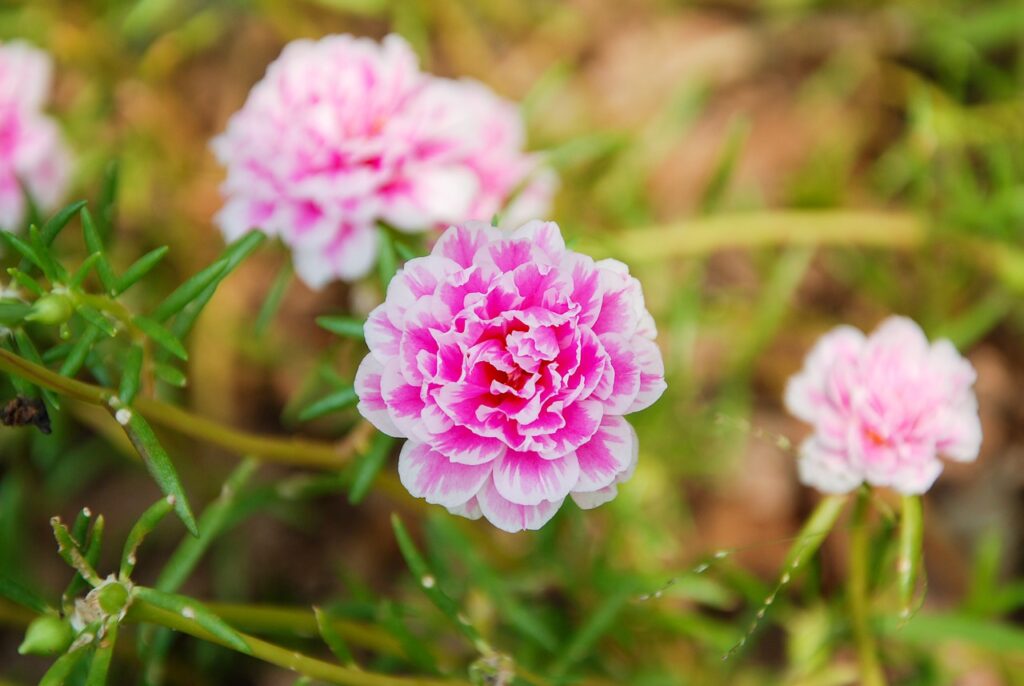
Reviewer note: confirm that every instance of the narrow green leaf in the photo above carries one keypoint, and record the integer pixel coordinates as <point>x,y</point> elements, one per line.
<point>131,374</point>
<point>101,657</point>
<point>387,262</point>
<point>19,595</point>
<point>142,528</point>
<point>368,466</point>
<point>332,638</point>
<point>26,281</point>
<point>272,302</point>
<point>338,400</point>
<point>13,312</point>
<point>428,583</point>
<point>140,268</point>
<point>80,528</point>
<point>909,564</point>
<point>92,547</point>
<point>55,224</point>
<point>94,243</point>
<point>157,461</point>
<point>591,631</point>
<point>52,270</point>
<point>71,554</point>
<point>60,670</point>
<point>22,248</point>
<point>161,336</point>
<point>97,319</point>
<point>76,357</point>
<point>194,611</point>
<point>406,252</point>
<point>210,276</point>
<point>170,374</point>
<point>212,523</point>
<point>78,278</point>
<point>27,349</point>
<point>342,326</point>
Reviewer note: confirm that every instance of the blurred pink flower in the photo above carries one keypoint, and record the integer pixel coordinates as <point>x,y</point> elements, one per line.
<point>32,152</point>
<point>884,407</point>
<point>344,132</point>
<point>508,362</point>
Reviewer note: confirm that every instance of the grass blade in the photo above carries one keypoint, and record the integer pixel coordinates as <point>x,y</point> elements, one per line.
<point>341,325</point>
<point>161,336</point>
<point>332,638</point>
<point>153,515</point>
<point>909,565</point>
<point>101,657</point>
<point>158,462</point>
<point>334,402</point>
<point>192,610</point>
<point>368,466</point>
<point>131,374</point>
<point>55,224</point>
<point>94,243</point>
<point>140,268</point>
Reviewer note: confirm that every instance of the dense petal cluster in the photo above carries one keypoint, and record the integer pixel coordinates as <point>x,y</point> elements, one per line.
<point>344,132</point>
<point>508,362</point>
<point>884,407</point>
<point>33,156</point>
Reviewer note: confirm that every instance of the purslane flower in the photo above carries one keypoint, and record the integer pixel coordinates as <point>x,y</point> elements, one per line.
<point>33,156</point>
<point>345,133</point>
<point>884,408</point>
<point>508,362</point>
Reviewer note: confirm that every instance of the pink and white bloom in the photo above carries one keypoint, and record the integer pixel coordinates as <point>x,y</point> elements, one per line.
<point>344,133</point>
<point>884,407</point>
<point>32,151</point>
<point>508,361</point>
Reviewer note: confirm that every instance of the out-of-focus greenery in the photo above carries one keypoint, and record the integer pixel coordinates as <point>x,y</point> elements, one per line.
<point>767,169</point>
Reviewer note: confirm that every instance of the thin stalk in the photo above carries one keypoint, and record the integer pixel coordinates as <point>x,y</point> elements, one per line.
<point>871,673</point>
<point>269,619</point>
<point>305,665</point>
<point>703,235</point>
<point>293,451</point>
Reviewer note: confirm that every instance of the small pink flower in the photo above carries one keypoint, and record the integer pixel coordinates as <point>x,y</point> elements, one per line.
<point>508,362</point>
<point>32,152</point>
<point>884,407</point>
<point>344,133</point>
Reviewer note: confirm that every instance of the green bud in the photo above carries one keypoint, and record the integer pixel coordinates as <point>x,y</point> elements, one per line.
<point>46,635</point>
<point>51,309</point>
<point>112,598</point>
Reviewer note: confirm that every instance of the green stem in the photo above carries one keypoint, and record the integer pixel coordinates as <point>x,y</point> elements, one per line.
<point>871,673</point>
<point>305,665</point>
<point>269,619</point>
<point>702,235</point>
<point>293,451</point>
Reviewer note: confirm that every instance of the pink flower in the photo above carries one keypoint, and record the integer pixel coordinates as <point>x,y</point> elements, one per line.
<point>508,362</point>
<point>32,152</point>
<point>344,133</point>
<point>884,407</point>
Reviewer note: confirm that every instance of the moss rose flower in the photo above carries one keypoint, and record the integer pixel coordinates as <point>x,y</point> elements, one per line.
<point>33,156</point>
<point>344,133</point>
<point>884,407</point>
<point>508,362</point>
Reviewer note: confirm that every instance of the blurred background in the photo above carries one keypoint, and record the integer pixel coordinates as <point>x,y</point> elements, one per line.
<point>675,127</point>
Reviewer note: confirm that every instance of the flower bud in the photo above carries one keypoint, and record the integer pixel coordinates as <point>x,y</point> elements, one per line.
<point>46,635</point>
<point>51,309</point>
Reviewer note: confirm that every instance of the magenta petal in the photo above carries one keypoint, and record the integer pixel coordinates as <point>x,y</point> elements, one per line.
<point>382,336</point>
<point>588,500</point>
<point>626,374</point>
<point>544,236</point>
<point>465,447</point>
<point>528,479</point>
<point>510,517</point>
<point>652,373</point>
<point>461,243</point>
<point>371,402</point>
<point>404,404</point>
<point>607,455</point>
<point>430,475</point>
